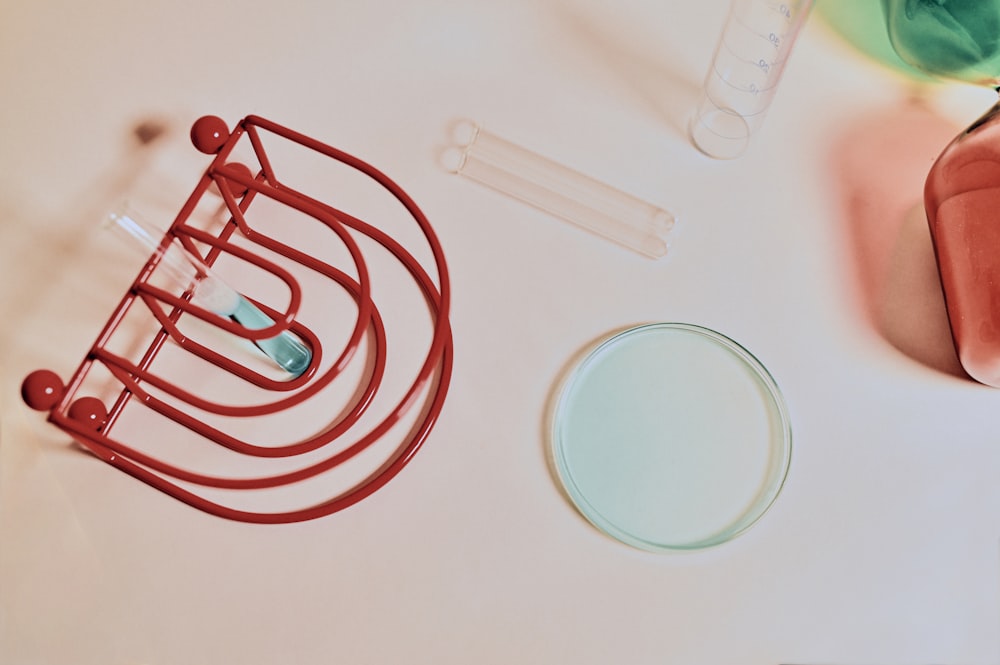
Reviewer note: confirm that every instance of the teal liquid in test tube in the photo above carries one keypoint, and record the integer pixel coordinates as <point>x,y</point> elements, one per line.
<point>209,291</point>
<point>749,60</point>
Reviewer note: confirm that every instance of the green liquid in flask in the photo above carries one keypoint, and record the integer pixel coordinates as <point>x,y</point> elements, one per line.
<point>953,39</point>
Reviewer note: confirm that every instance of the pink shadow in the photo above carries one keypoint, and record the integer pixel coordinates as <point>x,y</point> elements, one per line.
<point>879,164</point>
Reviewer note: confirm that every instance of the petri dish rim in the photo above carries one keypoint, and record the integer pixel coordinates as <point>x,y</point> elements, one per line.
<point>780,444</point>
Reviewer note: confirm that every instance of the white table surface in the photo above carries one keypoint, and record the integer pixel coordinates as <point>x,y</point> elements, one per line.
<point>884,546</point>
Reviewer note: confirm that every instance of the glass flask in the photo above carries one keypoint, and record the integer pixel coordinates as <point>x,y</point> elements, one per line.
<point>960,40</point>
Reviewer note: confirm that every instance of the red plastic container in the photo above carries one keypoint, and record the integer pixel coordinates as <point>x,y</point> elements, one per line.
<point>962,200</point>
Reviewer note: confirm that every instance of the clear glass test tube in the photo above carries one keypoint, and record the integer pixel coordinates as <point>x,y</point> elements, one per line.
<point>565,193</point>
<point>189,273</point>
<point>749,60</point>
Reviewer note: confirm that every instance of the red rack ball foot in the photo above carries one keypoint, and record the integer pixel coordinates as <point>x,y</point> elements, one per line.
<point>239,170</point>
<point>42,389</point>
<point>209,133</point>
<point>89,411</point>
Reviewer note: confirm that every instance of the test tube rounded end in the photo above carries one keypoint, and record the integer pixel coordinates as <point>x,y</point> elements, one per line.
<point>653,246</point>
<point>662,221</point>
<point>453,159</point>
<point>463,134</point>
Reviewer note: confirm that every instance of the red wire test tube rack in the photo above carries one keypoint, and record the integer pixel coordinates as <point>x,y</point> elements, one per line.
<point>191,404</point>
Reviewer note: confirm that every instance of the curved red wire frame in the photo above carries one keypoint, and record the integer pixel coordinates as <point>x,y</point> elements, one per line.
<point>431,382</point>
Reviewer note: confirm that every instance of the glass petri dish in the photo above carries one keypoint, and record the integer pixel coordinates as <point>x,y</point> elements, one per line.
<point>671,436</point>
